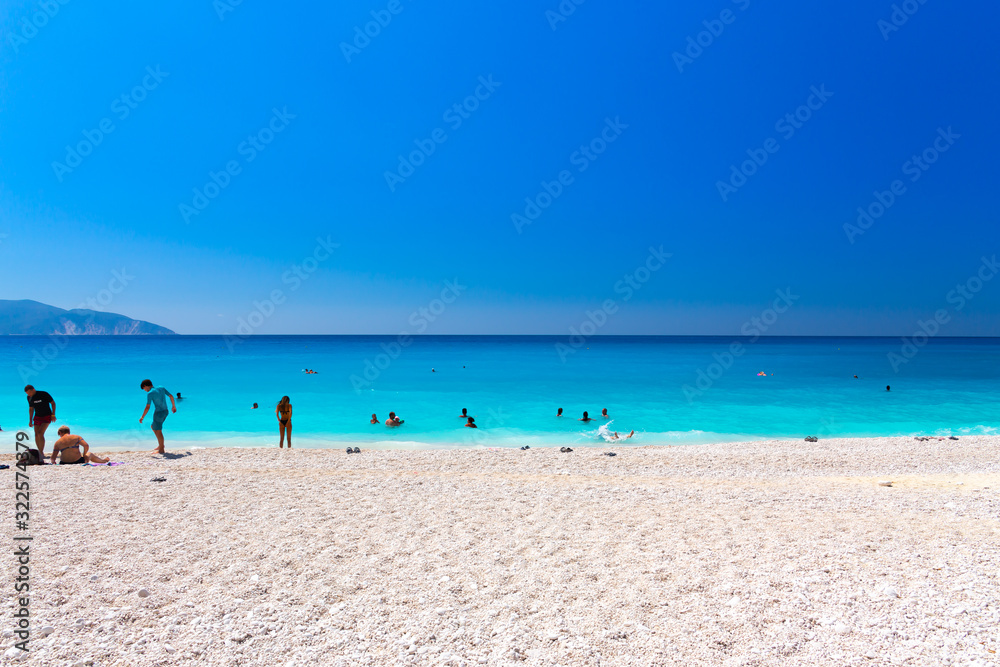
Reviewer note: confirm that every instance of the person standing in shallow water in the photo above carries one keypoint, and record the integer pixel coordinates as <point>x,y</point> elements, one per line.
<point>41,413</point>
<point>284,414</point>
<point>158,397</point>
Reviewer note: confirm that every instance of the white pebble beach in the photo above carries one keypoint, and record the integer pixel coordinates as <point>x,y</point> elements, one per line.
<point>759,553</point>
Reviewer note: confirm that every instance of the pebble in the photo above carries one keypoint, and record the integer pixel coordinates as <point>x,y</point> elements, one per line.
<point>841,629</point>
<point>143,593</point>
<point>45,631</point>
<point>15,653</point>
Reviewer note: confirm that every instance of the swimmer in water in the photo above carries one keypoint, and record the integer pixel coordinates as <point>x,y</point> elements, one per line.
<point>855,377</point>
<point>618,437</point>
<point>585,418</point>
<point>559,412</point>
<point>471,423</point>
<point>393,420</point>
<point>887,388</point>
<point>374,419</point>
<point>253,408</point>
<point>604,414</point>
<point>180,398</point>
<point>464,415</point>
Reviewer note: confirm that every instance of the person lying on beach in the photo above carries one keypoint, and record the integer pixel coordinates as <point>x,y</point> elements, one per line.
<point>68,448</point>
<point>471,423</point>
<point>465,413</point>
<point>393,420</point>
<point>374,419</point>
<point>604,414</point>
<point>585,418</point>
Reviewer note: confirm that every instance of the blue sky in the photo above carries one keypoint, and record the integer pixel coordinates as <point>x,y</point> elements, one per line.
<point>553,90</point>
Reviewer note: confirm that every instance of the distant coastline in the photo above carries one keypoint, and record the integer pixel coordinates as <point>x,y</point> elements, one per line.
<point>32,318</point>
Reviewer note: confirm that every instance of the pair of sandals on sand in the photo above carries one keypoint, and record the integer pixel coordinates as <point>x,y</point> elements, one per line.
<point>354,450</point>
<point>922,438</point>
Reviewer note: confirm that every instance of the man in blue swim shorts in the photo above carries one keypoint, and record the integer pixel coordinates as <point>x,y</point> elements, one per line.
<point>158,397</point>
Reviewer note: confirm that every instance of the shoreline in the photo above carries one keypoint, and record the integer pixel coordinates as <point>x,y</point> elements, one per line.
<point>759,553</point>
<point>417,446</point>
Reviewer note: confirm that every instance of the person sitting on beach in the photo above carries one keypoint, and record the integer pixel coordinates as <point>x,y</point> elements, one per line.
<point>68,446</point>
<point>284,414</point>
<point>559,412</point>
<point>471,423</point>
<point>393,420</point>
<point>604,414</point>
<point>374,419</point>
<point>465,414</point>
<point>585,418</point>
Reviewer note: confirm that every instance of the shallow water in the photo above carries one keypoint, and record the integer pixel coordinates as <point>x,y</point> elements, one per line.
<point>512,385</point>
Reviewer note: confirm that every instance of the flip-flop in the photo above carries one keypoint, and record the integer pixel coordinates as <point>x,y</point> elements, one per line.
<point>158,479</point>
<point>357,450</point>
<point>350,450</point>
<point>610,454</point>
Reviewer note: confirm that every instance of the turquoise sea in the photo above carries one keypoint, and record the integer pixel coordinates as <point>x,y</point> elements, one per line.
<point>671,390</point>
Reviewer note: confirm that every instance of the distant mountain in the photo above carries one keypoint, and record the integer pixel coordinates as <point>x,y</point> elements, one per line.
<point>30,318</point>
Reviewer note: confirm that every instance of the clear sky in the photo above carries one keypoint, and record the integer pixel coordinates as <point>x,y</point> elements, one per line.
<point>311,116</point>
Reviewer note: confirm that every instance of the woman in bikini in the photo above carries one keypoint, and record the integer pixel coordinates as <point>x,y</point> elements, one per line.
<point>284,414</point>
<point>73,449</point>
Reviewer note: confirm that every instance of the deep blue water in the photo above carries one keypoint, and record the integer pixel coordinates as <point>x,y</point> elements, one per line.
<point>512,385</point>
